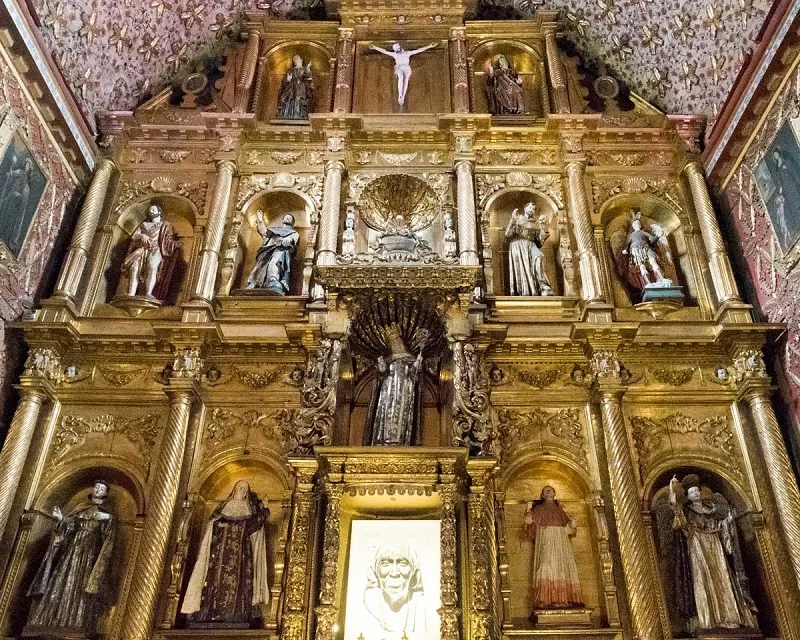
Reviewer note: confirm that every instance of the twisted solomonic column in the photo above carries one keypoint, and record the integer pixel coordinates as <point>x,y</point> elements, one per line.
<point>558,76</point>
<point>465,208</point>
<point>17,444</point>
<point>209,258</point>
<point>137,623</point>
<point>718,261</point>
<point>460,75</point>
<point>82,237</point>
<point>343,90</point>
<point>244,82</point>
<point>591,289</point>
<point>634,547</point>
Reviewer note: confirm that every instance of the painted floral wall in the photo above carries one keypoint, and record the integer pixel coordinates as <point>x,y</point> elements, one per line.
<point>763,196</point>
<point>22,280</point>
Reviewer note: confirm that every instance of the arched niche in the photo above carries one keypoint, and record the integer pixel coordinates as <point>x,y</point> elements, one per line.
<point>275,204</point>
<point>269,481</point>
<point>522,484</point>
<point>497,214</point>
<point>524,59</point>
<point>666,543</point>
<point>615,217</point>
<point>69,489</point>
<point>181,214</point>
<point>278,60</point>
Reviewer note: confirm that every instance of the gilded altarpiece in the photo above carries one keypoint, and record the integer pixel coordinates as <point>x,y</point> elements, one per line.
<point>334,256</point>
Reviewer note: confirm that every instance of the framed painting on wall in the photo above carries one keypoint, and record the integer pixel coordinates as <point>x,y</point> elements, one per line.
<point>22,183</point>
<point>393,580</point>
<point>777,176</point>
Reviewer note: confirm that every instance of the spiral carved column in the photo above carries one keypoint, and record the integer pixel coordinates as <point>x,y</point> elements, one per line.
<point>343,90</point>
<point>329,220</point>
<point>591,289</point>
<point>558,76</point>
<point>465,206</point>
<point>152,557</point>
<point>779,469</point>
<point>327,611</point>
<point>209,258</point>
<point>16,447</point>
<point>85,229</point>
<point>718,261</point>
<point>241,100</point>
<point>458,48</point>
<point>634,547</point>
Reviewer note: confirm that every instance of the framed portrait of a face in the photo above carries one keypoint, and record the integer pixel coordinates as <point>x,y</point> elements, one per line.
<point>22,183</point>
<point>777,177</point>
<point>393,580</point>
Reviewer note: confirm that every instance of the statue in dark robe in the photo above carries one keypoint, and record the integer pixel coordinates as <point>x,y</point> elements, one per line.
<point>274,258</point>
<point>396,407</point>
<point>296,98</point>
<point>69,584</point>
<point>504,89</point>
<point>229,580</point>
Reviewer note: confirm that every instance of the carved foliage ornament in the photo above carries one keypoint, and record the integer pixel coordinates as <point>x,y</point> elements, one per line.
<point>663,188</point>
<point>311,185</point>
<point>547,183</point>
<point>44,363</point>
<point>655,439</point>
<point>541,429</point>
<point>195,192</point>
<point>472,417</point>
<point>225,424</point>
<point>72,431</point>
<point>187,363</point>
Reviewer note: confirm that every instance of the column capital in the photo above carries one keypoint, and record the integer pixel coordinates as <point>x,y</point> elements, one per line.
<point>334,164</point>
<point>458,33</point>
<point>346,33</point>
<point>467,164</point>
<point>578,163</point>
<point>225,164</point>
<point>693,166</point>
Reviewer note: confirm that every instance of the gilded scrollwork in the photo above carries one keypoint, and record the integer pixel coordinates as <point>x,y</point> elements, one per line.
<point>195,192</point>
<point>122,374</point>
<point>311,185</point>
<point>664,188</point>
<point>472,411</point>
<point>259,376</point>
<point>536,376</point>
<point>539,429</point>
<point>187,363</point>
<point>673,377</point>
<point>45,363</point>
<point>546,183</point>
<point>678,433</point>
<point>449,611</point>
<point>72,431</point>
<point>224,424</point>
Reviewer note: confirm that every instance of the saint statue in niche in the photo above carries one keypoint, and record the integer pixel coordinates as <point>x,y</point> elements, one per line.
<point>504,89</point>
<point>643,260</point>
<point>402,65</point>
<point>152,255</point>
<point>394,595</point>
<point>710,585</point>
<point>229,580</point>
<point>555,575</point>
<point>396,408</point>
<point>449,238</point>
<point>70,582</point>
<point>274,257</point>
<point>526,272</point>
<point>296,98</point>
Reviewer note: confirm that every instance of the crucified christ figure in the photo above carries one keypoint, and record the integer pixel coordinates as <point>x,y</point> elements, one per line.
<point>402,66</point>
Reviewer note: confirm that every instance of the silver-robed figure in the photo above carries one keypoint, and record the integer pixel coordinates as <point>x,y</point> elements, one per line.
<point>69,586</point>
<point>152,256</point>
<point>526,273</point>
<point>274,257</point>
<point>396,407</point>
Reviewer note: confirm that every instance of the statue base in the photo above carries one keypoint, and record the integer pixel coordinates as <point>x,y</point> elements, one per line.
<point>661,294</point>
<point>259,293</point>
<point>729,634</point>
<point>219,625</point>
<point>562,618</point>
<point>136,305</point>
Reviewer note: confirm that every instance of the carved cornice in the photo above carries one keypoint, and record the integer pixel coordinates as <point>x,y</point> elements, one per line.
<point>398,276</point>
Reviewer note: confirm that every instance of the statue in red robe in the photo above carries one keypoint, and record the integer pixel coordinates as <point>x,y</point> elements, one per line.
<point>555,575</point>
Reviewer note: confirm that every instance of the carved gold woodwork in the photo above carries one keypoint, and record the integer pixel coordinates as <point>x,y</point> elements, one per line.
<point>582,390</point>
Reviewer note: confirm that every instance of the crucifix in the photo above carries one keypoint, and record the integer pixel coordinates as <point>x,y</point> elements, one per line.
<point>402,65</point>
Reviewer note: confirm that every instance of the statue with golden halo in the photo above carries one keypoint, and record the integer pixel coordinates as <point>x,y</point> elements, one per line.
<point>396,408</point>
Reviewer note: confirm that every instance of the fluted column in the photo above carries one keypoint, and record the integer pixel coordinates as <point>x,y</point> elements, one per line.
<point>465,208</point>
<point>329,220</point>
<point>209,258</point>
<point>558,77</point>
<point>244,82</point>
<point>343,90</point>
<point>718,261</point>
<point>460,77</point>
<point>17,444</point>
<point>139,615</point>
<point>85,229</point>
<point>591,289</point>
<point>641,581</point>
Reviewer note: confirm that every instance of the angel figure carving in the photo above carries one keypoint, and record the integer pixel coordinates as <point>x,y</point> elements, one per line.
<point>643,255</point>
<point>701,559</point>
